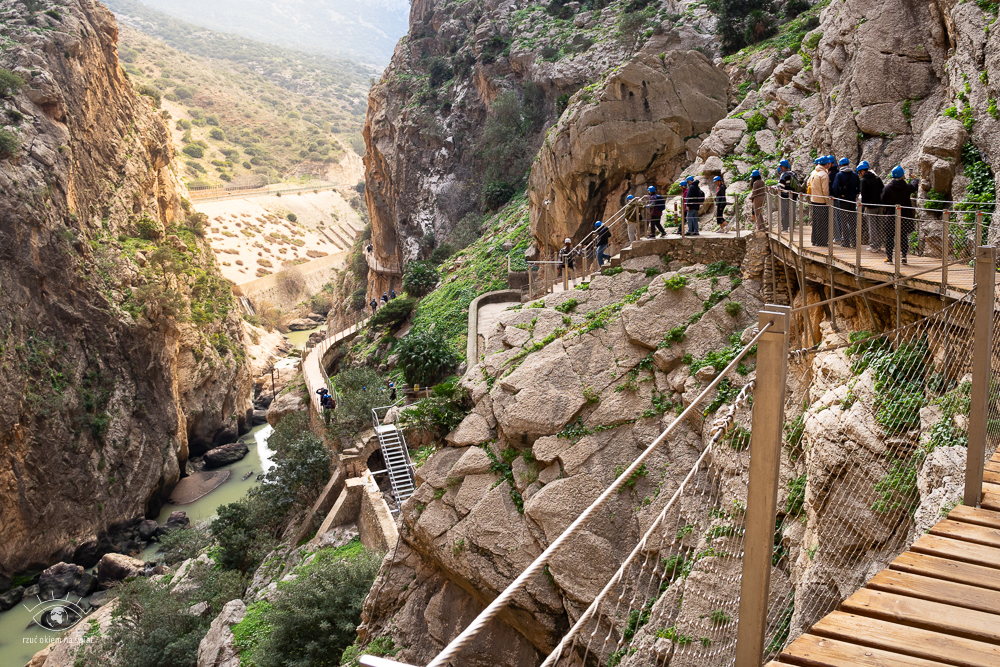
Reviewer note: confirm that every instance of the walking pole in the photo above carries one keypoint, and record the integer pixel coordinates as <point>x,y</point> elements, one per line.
<point>945,253</point>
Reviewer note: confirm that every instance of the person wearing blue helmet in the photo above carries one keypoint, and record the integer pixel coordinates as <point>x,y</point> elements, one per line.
<point>898,193</point>
<point>602,241</point>
<point>818,192</point>
<point>695,200</point>
<point>632,218</point>
<point>655,207</point>
<point>720,203</point>
<point>871,206</point>
<point>788,183</point>
<point>845,188</point>
<point>758,198</point>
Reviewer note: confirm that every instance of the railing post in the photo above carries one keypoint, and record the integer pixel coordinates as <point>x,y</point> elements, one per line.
<point>979,228</point>
<point>982,366</point>
<point>762,496</point>
<point>739,212</point>
<point>898,241</point>
<point>565,273</point>
<point>858,235</point>
<point>530,288</point>
<point>945,252</point>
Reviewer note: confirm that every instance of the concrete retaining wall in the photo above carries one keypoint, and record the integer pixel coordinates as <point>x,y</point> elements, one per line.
<point>472,344</point>
<point>269,289</point>
<point>361,502</point>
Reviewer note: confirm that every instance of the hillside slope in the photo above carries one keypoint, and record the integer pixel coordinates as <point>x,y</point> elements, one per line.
<point>121,345</point>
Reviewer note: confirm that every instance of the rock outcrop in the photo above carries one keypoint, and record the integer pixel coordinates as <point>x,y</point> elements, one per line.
<point>630,132</point>
<point>120,350</point>
<point>426,115</point>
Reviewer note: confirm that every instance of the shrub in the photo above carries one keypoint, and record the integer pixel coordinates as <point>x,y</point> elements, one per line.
<point>10,143</point>
<point>359,391</point>
<point>10,82</point>
<point>442,252</point>
<point>734,308</point>
<point>212,119</point>
<point>182,93</point>
<point>194,150</point>
<point>466,231</point>
<point>184,543</point>
<point>420,278</point>
<point>292,217</point>
<point>426,358</point>
<point>441,412</point>
<point>756,122</point>
<point>217,134</point>
<point>567,306</point>
<point>393,313</point>
<point>148,228</point>
<point>675,282</point>
<point>796,495</point>
<point>151,92</point>
<point>314,618</point>
<point>359,298</point>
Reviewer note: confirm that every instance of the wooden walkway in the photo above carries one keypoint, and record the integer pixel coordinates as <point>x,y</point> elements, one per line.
<point>937,604</point>
<point>874,269</point>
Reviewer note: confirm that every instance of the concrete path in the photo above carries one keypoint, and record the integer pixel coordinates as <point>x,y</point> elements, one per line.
<point>488,316</point>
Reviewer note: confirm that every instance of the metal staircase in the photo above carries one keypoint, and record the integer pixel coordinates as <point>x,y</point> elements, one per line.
<point>396,455</point>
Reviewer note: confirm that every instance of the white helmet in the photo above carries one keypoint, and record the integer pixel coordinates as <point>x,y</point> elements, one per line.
<point>567,241</point>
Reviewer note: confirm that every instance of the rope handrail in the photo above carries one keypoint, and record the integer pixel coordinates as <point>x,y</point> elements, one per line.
<point>916,201</point>
<point>473,629</point>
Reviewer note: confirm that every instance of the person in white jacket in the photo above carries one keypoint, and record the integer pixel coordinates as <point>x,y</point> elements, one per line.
<point>818,189</point>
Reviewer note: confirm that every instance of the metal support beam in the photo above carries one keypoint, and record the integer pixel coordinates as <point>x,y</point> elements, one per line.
<point>945,253</point>
<point>762,496</point>
<point>986,261</point>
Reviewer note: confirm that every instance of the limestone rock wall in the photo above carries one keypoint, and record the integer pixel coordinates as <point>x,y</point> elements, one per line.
<point>100,396</point>
<point>426,114</point>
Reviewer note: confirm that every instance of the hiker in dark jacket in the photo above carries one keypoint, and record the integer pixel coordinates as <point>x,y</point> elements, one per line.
<point>871,206</point>
<point>374,305</point>
<point>898,193</point>
<point>832,170</point>
<point>720,203</point>
<point>695,198</point>
<point>603,240</point>
<point>845,187</point>
<point>788,183</point>
<point>655,207</point>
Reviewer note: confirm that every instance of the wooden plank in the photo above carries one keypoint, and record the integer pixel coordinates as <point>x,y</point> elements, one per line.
<point>937,590</point>
<point>813,651</point>
<point>965,552</point>
<point>903,639</point>
<point>991,476</point>
<point>949,570</point>
<point>925,614</point>
<point>967,532</point>
<point>991,501</point>
<point>979,517</point>
<point>990,488</point>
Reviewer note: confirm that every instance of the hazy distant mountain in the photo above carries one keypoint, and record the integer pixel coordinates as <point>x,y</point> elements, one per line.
<point>366,30</point>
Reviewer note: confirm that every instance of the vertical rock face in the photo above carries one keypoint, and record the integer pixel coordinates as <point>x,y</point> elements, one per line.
<point>426,115</point>
<point>117,352</point>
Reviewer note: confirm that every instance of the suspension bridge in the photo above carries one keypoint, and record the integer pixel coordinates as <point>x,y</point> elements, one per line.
<point>714,579</point>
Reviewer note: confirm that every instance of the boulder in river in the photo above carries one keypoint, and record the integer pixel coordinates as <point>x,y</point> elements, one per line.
<point>178,519</point>
<point>59,580</point>
<point>226,454</point>
<point>147,530</point>
<point>301,324</point>
<point>11,598</point>
<point>115,568</point>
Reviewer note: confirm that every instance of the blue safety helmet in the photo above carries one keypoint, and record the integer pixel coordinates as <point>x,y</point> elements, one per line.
<point>785,163</point>
<point>651,189</point>
<point>629,198</point>
<point>844,162</point>
<point>717,178</point>
<point>597,224</point>
<point>897,172</point>
<point>755,173</point>
<point>862,165</point>
<point>689,179</point>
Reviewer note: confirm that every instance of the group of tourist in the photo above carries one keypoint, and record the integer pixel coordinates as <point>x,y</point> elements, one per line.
<point>835,182</point>
<point>386,298</point>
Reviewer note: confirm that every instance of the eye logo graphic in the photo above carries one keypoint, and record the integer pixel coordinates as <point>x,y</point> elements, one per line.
<point>56,614</point>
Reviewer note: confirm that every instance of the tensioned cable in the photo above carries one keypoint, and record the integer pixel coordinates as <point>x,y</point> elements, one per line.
<point>536,566</point>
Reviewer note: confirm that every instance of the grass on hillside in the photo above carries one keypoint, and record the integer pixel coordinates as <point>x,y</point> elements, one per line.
<point>235,123</point>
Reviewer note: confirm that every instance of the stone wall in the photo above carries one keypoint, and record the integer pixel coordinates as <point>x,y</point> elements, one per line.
<point>375,523</point>
<point>689,250</point>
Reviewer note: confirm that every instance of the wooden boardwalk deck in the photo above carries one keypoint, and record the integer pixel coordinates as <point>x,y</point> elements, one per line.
<point>937,604</point>
<point>960,275</point>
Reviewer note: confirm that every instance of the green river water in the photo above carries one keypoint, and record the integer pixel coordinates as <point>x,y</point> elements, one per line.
<point>18,644</point>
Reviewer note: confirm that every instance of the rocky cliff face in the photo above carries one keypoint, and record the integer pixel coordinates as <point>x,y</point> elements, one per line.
<point>121,349</point>
<point>904,83</point>
<point>424,131</point>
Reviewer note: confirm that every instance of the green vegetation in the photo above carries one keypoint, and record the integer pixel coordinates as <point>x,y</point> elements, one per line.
<point>441,412</point>
<point>509,143</point>
<point>500,465</point>
<point>796,495</point>
<point>313,619</point>
<point>567,306</point>
<point>425,357</point>
<point>633,478</point>
<point>738,438</point>
<point>675,282</point>
<point>10,143</point>
<point>420,278</point>
<point>10,82</point>
<point>393,313</point>
<point>358,391</point>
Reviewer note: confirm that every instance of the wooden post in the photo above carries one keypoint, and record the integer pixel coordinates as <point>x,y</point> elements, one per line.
<point>565,274</point>
<point>857,240</point>
<point>986,260</point>
<point>802,224</point>
<point>762,496</point>
<point>530,283</point>
<point>945,252</point>
<point>737,221</point>
<point>979,229</point>
<point>898,241</point>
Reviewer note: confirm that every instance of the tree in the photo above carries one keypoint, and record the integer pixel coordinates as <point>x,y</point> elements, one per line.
<point>420,278</point>
<point>426,358</point>
<point>194,150</point>
<point>742,22</point>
